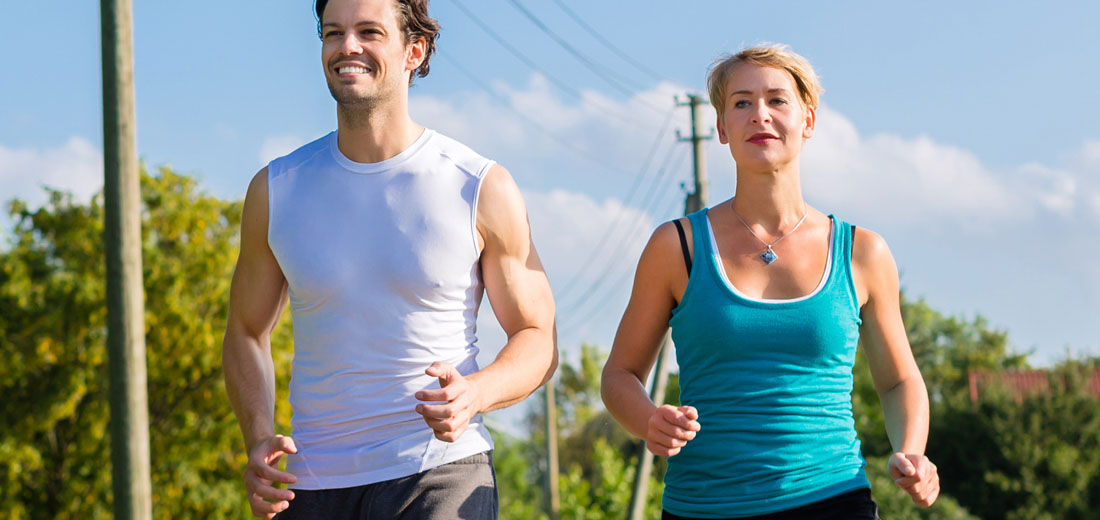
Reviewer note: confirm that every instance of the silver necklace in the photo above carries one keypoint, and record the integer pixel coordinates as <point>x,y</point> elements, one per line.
<point>769,256</point>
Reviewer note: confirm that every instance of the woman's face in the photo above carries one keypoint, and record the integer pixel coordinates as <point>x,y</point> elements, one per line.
<point>764,121</point>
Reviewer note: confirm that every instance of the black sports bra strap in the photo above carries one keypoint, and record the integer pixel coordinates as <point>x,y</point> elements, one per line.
<point>683,244</point>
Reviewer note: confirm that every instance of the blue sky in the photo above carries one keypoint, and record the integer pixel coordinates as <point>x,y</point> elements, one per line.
<point>964,132</point>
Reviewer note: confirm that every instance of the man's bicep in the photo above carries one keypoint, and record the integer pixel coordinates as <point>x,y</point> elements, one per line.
<point>511,268</point>
<point>257,293</point>
<point>518,291</point>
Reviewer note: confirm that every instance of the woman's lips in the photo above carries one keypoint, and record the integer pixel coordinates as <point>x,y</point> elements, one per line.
<point>761,138</point>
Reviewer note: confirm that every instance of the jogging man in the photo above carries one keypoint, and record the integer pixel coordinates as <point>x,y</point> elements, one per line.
<point>382,236</point>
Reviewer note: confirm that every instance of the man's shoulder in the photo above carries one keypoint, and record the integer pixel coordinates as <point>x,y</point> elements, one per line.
<point>463,157</point>
<point>301,156</point>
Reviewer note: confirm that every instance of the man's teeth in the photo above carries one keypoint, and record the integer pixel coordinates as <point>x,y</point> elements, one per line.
<point>352,70</point>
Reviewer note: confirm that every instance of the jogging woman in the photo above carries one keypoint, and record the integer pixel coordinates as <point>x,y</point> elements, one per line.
<point>767,299</point>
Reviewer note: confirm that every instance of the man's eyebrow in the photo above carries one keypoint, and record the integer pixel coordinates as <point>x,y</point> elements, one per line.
<point>357,24</point>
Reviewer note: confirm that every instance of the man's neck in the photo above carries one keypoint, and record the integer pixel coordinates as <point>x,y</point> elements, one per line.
<point>375,135</point>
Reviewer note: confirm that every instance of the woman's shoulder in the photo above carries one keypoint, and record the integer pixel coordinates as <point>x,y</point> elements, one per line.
<point>871,254</point>
<point>666,237</point>
<point>868,245</point>
<point>664,253</point>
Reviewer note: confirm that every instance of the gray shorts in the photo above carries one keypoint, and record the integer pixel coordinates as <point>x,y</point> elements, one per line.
<point>465,489</point>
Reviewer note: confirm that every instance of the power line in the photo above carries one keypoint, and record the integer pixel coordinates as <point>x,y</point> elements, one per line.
<point>533,65</point>
<point>602,72</point>
<point>602,300</point>
<point>644,204</point>
<point>599,37</point>
<point>586,297</point>
<point>613,229</point>
<point>673,208</point>
<point>624,277</point>
<point>534,124</point>
<point>612,233</point>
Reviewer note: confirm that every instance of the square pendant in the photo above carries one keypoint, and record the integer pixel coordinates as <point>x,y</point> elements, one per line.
<point>769,256</point>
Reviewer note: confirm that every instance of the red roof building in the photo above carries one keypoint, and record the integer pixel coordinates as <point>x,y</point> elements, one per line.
<point>1022,384</point>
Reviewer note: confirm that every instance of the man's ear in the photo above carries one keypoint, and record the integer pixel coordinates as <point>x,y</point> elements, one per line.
<point>414,54</point>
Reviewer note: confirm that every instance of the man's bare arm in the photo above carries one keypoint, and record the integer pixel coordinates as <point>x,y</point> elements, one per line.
<point>256,298</point>
<point>519,292</point>
<point>520,295</point>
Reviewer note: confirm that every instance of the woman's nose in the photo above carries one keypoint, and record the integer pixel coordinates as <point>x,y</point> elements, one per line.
<point>761,114</point>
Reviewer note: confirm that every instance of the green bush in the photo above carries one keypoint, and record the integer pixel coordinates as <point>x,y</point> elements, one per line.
<point>55,449</point>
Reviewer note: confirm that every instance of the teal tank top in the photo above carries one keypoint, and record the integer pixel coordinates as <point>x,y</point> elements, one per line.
<point>772,381</point>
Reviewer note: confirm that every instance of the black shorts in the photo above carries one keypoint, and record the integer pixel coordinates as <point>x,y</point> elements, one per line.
<point>853,505</point>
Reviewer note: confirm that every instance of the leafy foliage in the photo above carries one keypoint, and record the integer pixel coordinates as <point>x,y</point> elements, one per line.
<point>946,349</point>
<point>606,492</point>
<point>55,454</point>
<point>1039,458</point>
<point>1034,459</point>
<point>519,490</point>
<point>597,457</point>
<point>895,504</point>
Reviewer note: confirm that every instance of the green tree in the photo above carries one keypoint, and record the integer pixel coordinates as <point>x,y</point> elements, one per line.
<point>601,489</point>
<point>517,483</point>
<point>597,457</point>
<point>946,349</point>
<point>55,452</point>
<point>895,504</point>
<point>1033,458</point>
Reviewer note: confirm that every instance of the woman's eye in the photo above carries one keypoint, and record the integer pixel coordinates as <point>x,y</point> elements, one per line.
<point>741,104</point>
<point>331,34</point>
<point>779,101</point>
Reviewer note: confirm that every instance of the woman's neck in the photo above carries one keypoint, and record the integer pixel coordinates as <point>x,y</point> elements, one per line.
<point>770,199</point>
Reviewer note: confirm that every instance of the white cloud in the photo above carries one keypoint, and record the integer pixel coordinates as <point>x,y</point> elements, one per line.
<point>1090,154</point>
<point>1086,164</point>
<point>278,146</point>
<point>899,179</point>
<point>583,241</point>
<point>478,122</point>
<point>961,228</point>
<point>589,144</point>
<point>589,249</point>
<point>1055,190</point>
<point>601,141</point>
<point>76,167</point>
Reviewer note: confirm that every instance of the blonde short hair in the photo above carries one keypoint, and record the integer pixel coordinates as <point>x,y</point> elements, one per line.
<point>778,56</point>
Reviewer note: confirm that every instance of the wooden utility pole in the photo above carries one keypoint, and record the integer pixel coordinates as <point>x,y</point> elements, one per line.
<point>695,201</point>
<point>125,298</point>
<point>553,501</point>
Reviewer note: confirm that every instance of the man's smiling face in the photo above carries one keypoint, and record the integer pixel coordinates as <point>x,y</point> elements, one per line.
<point>364,52</point>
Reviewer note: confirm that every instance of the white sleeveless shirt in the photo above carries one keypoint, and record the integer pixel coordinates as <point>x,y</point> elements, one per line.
<point>381,260</point>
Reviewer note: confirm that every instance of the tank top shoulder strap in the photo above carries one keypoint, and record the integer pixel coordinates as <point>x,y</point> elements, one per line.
<point>842,260</point>
<point>683,245</point>
<point>700,238</point>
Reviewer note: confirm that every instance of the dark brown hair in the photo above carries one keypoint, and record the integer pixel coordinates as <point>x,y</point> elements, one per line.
<point>415,23</point>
